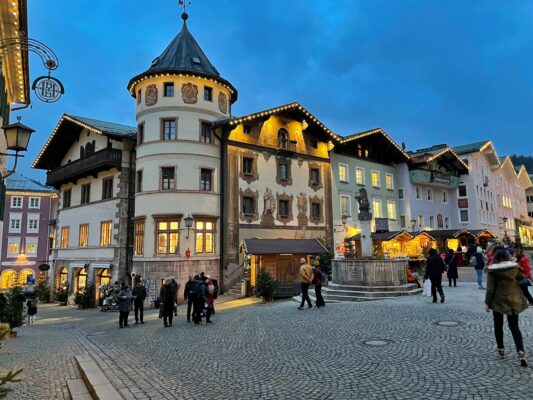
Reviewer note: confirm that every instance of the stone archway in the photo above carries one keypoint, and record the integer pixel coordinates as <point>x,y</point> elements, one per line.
<point>23,276</point>
<point>61,277</point>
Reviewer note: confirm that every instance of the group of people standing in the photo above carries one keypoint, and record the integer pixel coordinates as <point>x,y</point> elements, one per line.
<point>312,275</point>
<point>200,294</point>
<point>126,297</point>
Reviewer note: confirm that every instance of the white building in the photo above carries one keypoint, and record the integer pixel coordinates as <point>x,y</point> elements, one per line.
<point>178,163</point>
<point>91,163</point>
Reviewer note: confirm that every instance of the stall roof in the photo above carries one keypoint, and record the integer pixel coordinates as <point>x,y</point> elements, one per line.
<point>284,246</point>
<point>479,232</point>
<point>427,233</point>
<point>384,236</point>
<point>448,233</point>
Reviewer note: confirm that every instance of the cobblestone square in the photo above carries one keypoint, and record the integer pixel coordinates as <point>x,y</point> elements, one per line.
<point>405,348</point>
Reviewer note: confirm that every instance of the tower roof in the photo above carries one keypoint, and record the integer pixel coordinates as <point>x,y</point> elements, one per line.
<point>183,56</point>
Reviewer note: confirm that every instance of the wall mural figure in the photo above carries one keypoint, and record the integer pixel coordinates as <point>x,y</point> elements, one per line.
<point>301,205</point>
<point>269,202</point>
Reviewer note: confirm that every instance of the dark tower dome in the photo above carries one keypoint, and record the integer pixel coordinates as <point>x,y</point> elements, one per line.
<point>183,56</point>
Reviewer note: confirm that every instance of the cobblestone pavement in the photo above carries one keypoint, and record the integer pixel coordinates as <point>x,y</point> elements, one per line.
<point>274,351</point>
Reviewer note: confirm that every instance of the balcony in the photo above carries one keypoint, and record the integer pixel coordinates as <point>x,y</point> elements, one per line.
<point>434,178</point>
<point>89,165</point>
<point>287,147</point>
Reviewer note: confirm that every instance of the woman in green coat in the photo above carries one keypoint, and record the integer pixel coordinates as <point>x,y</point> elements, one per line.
<point>504,296</point>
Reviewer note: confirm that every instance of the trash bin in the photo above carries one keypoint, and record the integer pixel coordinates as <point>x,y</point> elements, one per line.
<point>245,287</point>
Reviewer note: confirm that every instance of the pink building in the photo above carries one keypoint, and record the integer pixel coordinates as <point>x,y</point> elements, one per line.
<point>25,235</point>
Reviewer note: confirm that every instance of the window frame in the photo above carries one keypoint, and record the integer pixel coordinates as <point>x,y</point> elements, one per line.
<point>378,174</point>
<point>168,231</point>
<point>85,241</point>
<point>363,175</point>
<point>204,123</point>
<point>12,218</point>
<point>341,196</point>
<point>35,207</point>
<point>108,235</point>
<point>377,199</point>
<point>253,205</point>
<point>418,193</point>
<point>312,215</point>
<point>391,176</point>
<point>85,196</point>
<point>106,187</point>
<point>393,203</point>
<point>21,198</point>
<point>138,237</point>
<point>287,202</point>
<point>346,168</point>
<point>459,191</point>
<point>204,232</point>
<point>208,89</point>
<point>33,217</point>
<point>401,193</point>
<point>251,171</point>
<point>139,181</point>
<point>167,85</point>
<point>64,242</point>
<point>16,241</point>
<point>65,197</point>
<point>31,240</point>
<point>140,133</point>
<point>162,121</point>
<point>211,180</point>
<point>467,213</point>
<point>445,197</point>
<point>161,182</point>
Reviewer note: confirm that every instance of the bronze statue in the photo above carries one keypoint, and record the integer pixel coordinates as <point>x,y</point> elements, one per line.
<point>364,205</point>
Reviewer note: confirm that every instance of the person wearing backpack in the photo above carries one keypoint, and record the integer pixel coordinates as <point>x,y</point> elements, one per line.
<point>318,282</point>
<point>478,263</point>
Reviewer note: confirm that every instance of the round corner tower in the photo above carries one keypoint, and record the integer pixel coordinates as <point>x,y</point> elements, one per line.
<point>177,186</point>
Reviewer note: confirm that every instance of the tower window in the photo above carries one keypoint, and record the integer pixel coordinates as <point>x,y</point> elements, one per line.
<point>169,89</point>
<point>208,93</point>
<point>206,179</point>
<point>168,129</point>
<point>167,178</point>
<point>205,132</point>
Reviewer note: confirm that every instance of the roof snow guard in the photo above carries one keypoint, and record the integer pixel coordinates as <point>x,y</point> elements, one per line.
<point>183,57</point>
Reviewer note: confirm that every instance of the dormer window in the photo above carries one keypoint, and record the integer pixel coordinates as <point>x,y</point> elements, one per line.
<point>196,60</point>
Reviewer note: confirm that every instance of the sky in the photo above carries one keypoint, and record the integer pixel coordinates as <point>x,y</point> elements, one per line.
<point>427,72</point>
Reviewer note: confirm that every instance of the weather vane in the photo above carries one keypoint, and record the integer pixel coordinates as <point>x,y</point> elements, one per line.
<point>183,4</point>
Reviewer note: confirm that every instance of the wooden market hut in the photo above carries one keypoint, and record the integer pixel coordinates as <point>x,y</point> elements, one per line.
<point>452,238</point>
<point>483,236</point>
<point>386,244</point>
<point>281,257</point>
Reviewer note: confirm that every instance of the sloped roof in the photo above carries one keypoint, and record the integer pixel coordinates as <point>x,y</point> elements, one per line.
<point>443,152</point>
<point>67,132</point>
<point>470,148</point>
<point>385,236</point>
<point>110,128</point>
<point>20,182</point>
<point>398,153</point>
<point>183,55</point>
<point>284,246</point>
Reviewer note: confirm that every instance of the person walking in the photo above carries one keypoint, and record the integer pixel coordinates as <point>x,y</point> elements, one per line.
<point>525,269</point>
<point>504,297</point>
<point>452,261</point>
<point>124,305</point>
<point>174,287</point>
<point>32,309</point>
<point>198,303</point>
<point>477,261</point>
<point>434,269</point>
<point>188,297</point>
<point>167,302</point>
<point>317,281</point>
<point>306,277</point>
<point>139,295</point>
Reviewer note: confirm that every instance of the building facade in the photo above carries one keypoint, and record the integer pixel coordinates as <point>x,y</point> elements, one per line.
<point>25,241</point>
<point>429,189</point>
<point>276,184</point>
<point>92,165</point>
<point>178,182</point>
<point>367,161</point>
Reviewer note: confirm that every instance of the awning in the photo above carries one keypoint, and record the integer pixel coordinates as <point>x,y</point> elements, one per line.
<point>384,236</point>
<point>283,246</point>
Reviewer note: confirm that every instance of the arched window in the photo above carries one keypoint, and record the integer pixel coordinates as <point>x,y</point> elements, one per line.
<point>8,279</point>
<point>283,138</point>
<point>88,150</point>
<point>23,276</point>
<point>82,152</point>
<point>62,278</point>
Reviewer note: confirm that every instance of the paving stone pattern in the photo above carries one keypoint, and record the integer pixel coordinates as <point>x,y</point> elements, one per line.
<point>275,351</point>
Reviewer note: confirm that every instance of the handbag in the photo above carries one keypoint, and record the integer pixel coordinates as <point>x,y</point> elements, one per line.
<point>525,282</point>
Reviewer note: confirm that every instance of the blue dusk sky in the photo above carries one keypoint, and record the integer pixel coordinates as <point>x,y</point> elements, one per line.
<point>427,72</point>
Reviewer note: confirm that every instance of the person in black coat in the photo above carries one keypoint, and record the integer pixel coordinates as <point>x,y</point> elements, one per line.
<point>434,269</point>
<point>197,303</point>
<point>188,296</point>
<point>167,302</point>
<point>139,295</point>
<point>451,262</point>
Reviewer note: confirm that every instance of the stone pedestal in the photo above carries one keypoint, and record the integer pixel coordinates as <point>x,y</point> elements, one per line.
<point>366,239</point>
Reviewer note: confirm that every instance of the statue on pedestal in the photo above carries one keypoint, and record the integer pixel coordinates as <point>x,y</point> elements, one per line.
<point>364,206</point>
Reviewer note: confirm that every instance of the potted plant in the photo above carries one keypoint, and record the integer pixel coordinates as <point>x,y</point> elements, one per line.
<point>265,286</point>
<point>42,289</point>
<point>86,297</point>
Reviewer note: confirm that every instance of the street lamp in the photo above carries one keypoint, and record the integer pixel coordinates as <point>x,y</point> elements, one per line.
<point>413,224</point>
<point>188,224</point>
<point>17,139</point>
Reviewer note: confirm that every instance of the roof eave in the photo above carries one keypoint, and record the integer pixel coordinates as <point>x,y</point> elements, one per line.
<point>132,84</point>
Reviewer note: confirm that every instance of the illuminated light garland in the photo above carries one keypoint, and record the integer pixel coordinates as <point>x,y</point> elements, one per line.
<point>52,135</point>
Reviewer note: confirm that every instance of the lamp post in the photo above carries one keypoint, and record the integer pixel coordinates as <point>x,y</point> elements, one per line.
<point>188,224</point>
<point>17,139</point>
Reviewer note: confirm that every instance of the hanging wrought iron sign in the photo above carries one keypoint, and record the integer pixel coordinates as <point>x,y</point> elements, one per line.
<point>48,88</point>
